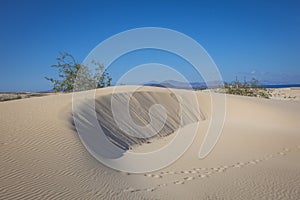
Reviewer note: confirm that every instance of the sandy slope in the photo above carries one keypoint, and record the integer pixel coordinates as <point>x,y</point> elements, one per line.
<point>257,156</point>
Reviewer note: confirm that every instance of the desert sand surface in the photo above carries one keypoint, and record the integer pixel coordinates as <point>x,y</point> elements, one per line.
<point>292,94</point>
<point>256,157</point>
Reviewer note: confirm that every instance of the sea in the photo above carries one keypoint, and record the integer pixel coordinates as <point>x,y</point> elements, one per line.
<point>282,86</point>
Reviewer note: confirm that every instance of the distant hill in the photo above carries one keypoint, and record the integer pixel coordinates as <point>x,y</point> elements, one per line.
<point>178,84</point>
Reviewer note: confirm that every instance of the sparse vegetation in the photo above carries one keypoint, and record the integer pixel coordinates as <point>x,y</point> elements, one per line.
<point>19,95</point>
<point>70,71</point>
<point>8,97</point>
<point>251,89</point>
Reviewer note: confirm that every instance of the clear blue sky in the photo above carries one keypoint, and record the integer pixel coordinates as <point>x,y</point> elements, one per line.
<point>245,38</point>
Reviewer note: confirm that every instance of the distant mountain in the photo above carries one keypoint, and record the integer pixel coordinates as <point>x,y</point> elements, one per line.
<point>177,84</point>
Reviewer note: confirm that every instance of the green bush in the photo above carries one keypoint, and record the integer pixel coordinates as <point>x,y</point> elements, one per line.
<point>251,89</point>
<point>70,70</point>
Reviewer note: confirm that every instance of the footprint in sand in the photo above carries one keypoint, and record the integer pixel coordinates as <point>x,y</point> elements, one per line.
<point>237,166</point>
<point>286,149</point>
<point>268,157</point>
<point>215,168</point>
<point>203,176</point>
<point>162,185</point>
<point>153,175</point>
<point>218,169</point>
<point>128,189</point>
<point>150,189</point>
<point>189,178</point>
<point>185,172</point>
<point>221,170</point>
<point>207,174</point>
<point>179,182</point>
<point>131,190</point>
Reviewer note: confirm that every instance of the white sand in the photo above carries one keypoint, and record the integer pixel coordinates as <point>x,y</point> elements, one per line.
<point>257,156</point>
<point>292,94</point>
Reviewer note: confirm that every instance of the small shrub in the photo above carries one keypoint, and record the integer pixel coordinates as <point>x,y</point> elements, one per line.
<point>251,89</point>
<point>70,70</point>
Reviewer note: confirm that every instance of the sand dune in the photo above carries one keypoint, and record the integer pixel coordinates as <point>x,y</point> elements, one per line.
<point>140,103</point>
<point>256,157</point>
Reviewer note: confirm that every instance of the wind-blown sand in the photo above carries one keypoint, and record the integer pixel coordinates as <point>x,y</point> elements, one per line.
<point>256,157</point>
